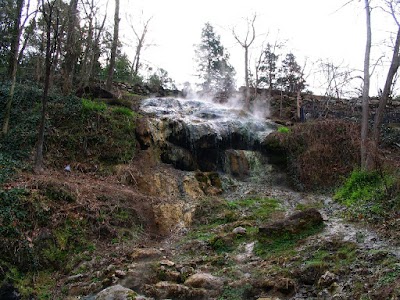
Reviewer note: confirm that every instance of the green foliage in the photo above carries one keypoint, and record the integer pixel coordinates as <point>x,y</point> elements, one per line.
<point>390,276</point>
<point>160,79</point>
<point>292,78</point>
<point>19,215</point>
<point>91,131</point>
<point>283,129</point>
<point>215,72</point>
<point>122,69</point>
<point>24,118</point>
<point>268,67</point>
<point>123,111</point>
<point>89,106</point>
<point>7,167</point>
<point>235,293</point>
<point>369,194</point>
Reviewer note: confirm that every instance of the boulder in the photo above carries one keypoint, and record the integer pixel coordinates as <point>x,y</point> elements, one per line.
<point>170,290</point>
<point>205,281</point>
<point>294,224</point>
<point>116,292</point>
<point>144,253</point>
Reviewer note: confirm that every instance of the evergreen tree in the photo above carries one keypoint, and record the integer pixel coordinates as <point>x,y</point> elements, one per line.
<point>291,79</point>
<point>268,68</point>
<point>214,70</point>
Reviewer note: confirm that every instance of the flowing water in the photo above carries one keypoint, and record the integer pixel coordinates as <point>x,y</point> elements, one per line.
<point>231,127</point>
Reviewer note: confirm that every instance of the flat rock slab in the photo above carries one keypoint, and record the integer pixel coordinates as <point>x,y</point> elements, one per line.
<point>293,224</point>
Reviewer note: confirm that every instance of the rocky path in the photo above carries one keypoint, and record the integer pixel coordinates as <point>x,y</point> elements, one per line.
<point>341,261</point>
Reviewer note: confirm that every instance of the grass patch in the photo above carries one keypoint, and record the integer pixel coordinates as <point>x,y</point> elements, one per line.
<point>235,293</point>
<point>89,106</point>
<point>369,195</point>
<point>123,111</point>
<point>282,244</point>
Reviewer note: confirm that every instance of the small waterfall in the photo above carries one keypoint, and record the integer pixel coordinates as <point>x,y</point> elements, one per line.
<point>204,130</point>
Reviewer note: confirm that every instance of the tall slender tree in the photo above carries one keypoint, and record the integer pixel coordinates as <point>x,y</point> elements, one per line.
<point>114,47</point>
<point>365,94</point>
<point>13,61</point>
<point>394,66</point>
<point>72,50</point>
<point>50,14</point>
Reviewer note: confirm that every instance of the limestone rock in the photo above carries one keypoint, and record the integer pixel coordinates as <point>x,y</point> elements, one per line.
<point>204,280</point>
<point>144,253</point>
<point>293,224</point>
<point>116,292</point>
<point>166,262</point>
<point>169,216</point>
<point>169,290</point>
<point>239,230</point>
<point>327,279</point>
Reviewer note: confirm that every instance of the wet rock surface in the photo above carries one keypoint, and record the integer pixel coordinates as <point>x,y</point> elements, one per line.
<point>195,133</point>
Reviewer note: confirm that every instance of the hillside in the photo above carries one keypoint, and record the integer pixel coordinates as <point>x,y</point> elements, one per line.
<point>138,212</point>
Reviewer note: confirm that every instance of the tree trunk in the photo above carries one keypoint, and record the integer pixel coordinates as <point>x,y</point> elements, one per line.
<point>13,65</point>
<point>394,65</point>
<point>246,75</point>
<point>38,164</point>
<point>365,95</point>
<point>113,47</point>
<point>72,51</point>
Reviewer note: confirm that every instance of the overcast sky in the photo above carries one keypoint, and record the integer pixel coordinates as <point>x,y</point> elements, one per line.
<point>313,29</point>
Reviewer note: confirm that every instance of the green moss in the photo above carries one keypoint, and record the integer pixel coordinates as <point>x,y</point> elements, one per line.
<point>282,244</point>
<point>258,209</point>
<point>369,195</point>
<point>235,293</point>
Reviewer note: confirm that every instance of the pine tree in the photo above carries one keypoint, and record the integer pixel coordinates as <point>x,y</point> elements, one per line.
<point>291,80</point>
<point>268,68</point>
<point>214,70</point>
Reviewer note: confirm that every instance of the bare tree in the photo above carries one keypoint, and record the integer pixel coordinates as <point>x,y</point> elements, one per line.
<point>394,66</point>
<point>365,94</point>
<point>48,11</point>
<point>246,43</point>
<point>336,78</point>
<point>92,41</point>
<point>140,43</point>
<point>114,47</point>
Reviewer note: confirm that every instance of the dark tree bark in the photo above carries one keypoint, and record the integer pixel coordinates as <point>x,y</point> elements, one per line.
<point>51,45</point>
<point>13,63</point>
<point>140,44</point>
<point>113,47</point>
<point>72,49</point>
<point>394,66</point>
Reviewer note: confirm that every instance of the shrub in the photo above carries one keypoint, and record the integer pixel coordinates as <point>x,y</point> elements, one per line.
<point>283,129</point>
<point>318,154</point>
